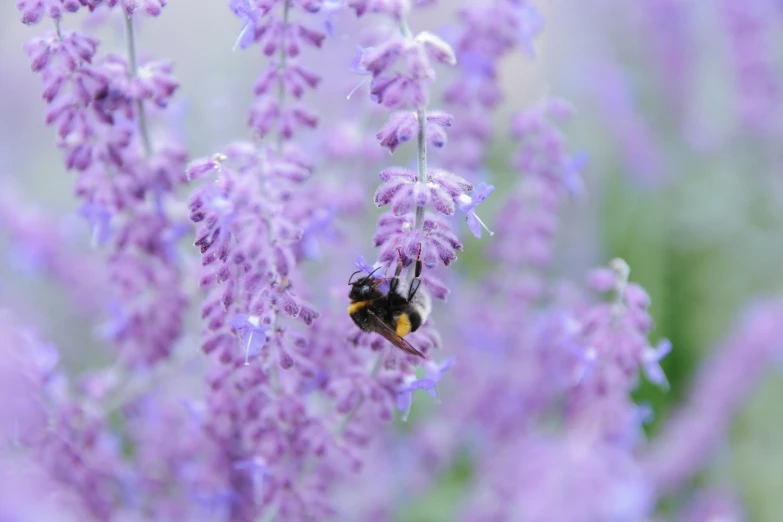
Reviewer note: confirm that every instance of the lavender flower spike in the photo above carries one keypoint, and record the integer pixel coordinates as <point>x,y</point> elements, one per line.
<point>99,105</point>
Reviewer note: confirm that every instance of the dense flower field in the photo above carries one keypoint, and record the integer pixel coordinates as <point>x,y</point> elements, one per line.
<point>507,182</point>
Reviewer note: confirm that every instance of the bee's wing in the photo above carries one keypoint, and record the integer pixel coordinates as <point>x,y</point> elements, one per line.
<point>391,336</point>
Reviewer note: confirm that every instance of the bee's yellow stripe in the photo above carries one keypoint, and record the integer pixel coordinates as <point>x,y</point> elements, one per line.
<point>354,307</point>
<point>403,325</point>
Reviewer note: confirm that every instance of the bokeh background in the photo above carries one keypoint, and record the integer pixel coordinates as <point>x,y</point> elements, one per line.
<point>678,109</point>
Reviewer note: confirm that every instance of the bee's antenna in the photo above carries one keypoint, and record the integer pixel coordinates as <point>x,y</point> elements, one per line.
<point>371,273</point>
<point>363,278</point>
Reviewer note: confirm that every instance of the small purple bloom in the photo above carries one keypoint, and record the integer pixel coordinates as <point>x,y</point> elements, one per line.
<point>99,219</point>
<point>436,48</point>
<point>652,359</point>
<point>434,374</point>
<point>250,16</point>
<point>252,333</point>
<point>530,24</point>
<point>401,127</point>
<point>258,470</point>
<point>572,170</point>
<point>468,203</point>
<point>602,279</point>
<point>363,265</point>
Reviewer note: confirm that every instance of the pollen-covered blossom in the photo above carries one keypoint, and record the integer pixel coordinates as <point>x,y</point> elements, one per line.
<point>99,106</point>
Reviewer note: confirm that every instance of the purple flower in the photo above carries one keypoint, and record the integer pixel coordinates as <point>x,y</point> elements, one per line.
<point>251,332</point>
<point>402,127</point>
<point>530,24</point>
<point>401,189</point>
<point>99,106</point>
<point>436,48</point>
<point>434,374</point>
<point>151,7</point>
<point>250,16</point>
<point>397,9</point>
<point>257,468</point>
<point>467,204</point>
<point>542,410</point>
<point>652,359</point>
<point>362,265</point>
<point>99,218</point>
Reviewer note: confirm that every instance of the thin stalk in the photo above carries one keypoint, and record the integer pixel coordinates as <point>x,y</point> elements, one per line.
<point>421,155</point>
<point>133,72</point>
<point>57,30</point>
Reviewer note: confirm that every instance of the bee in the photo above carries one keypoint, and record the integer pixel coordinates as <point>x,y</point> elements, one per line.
<point>394,314</point>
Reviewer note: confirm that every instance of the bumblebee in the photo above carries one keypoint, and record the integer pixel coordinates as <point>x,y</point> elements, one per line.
<point>394,314</point>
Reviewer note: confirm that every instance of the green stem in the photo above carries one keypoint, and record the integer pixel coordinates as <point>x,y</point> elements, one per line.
<point>421,155</point>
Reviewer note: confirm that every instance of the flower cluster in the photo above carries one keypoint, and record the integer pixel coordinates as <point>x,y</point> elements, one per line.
<point>253,219</point>
<point>33,10</point>
<point>402,71</point>
<point>64,436</point>
<point>548,173</point>
<point>553,417</point>
<point>281,405</point>
<point>421,201</point>
<point>247,244</point>
<point>488,32</point>
<point>99,107</point>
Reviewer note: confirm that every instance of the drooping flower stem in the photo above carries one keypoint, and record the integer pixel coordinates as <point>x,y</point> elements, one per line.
<point>133,72</point>
<point>421,155</point>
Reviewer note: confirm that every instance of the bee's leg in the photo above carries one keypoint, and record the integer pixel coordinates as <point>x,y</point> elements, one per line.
<point>395,281</point>
<point>416,281</point>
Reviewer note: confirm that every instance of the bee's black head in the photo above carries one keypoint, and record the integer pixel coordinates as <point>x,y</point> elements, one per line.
<point>363,288</point>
